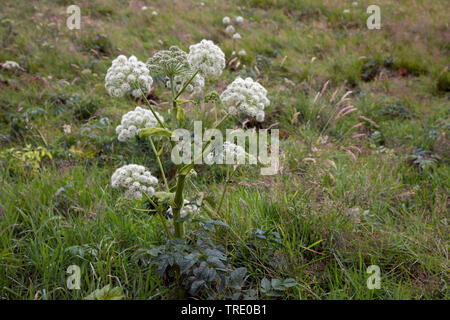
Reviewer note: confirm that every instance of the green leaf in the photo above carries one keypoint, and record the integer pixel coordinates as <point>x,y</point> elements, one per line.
<point>180,114</point>
<point>180,102</point>
<point>185,218</point>
<point>218,223</point>
<point>106,293</point>
<point>238,275</point>
<point>155,131</point>
<point>164,196</point>
<point>186,169</point>
<point>196,285</point>
<point>277,284</point>
<point>265,285</point>
<point>289,282</point>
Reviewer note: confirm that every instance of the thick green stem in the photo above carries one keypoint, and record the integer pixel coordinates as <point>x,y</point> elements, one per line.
<point>179,201</point>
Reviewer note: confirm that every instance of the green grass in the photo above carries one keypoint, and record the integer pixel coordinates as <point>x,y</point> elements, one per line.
<point>355,201</point>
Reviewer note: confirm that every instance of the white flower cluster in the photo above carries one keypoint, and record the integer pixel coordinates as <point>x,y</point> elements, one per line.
<point>169,63</point>
<point>228,150</point>
<point>10,65</point>
<point>135,179</point>
<point>227,21</point>
<point>246,96</point>
<point>195,86</point>
<point>134,121</point>
<point>127,76</point>
<point>230,29</point>
<point>206,57</point>
<point>188,208</point>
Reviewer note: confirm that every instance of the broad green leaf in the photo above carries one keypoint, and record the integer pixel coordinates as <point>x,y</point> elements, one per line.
<point>277,284</point>
<point>180,114</point>
<point>265,285</point>
<point>106,293</point>
<point>155,131</point>
<point>163,196</point>
<point>289,282</point>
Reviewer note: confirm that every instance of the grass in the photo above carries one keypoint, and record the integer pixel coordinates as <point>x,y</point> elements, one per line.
<point>345,199</point>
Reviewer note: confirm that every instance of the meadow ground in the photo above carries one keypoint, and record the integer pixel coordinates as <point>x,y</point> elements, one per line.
<point>358,188</point>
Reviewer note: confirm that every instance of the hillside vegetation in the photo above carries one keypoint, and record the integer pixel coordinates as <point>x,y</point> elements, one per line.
<point>366,186</point>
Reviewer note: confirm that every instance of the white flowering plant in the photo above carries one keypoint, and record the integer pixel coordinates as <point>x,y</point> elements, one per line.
<point>184,72</point>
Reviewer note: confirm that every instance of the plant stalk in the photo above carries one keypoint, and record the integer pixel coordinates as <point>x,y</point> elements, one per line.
<point>179,201</point>
<point>160,164</point>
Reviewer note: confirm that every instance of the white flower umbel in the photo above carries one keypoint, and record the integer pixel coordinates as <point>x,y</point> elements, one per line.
<point>242,53</point>
<point>169,63</point>
<point>230,29</point>
<point>245,96</point>
<point>133,121</point>
<point>224,153</point>
<point>188,208</point>
<point>226,20</point>
<point>10,65</point>
<point>206,57</point>
<point>195,86</point>
<point>136,181</point>
<point>127,76</point>
<point>239,19</point>
<point>236,36</point>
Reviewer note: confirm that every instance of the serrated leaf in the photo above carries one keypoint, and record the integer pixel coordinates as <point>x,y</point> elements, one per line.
<point>196,285</point>
<point>238,275</point>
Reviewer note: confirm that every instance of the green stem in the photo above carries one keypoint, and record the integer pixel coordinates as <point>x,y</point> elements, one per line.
<point>172,89</point>
<point>178,201</point>
<point>186,84</point>
<point>163,221</point>
<point>160,164</point>
<point>153,111</point>
<point>215,110</point>
<point>166,228</point>
<point>224,191</point>
<point>209,141</point>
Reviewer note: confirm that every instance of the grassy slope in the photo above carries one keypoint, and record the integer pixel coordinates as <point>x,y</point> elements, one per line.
<point>356,203</point>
